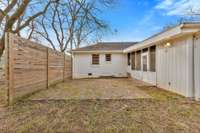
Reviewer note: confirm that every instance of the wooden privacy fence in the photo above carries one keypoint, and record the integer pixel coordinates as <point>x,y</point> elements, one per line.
<point>29,66</point>
<point>3,87</point>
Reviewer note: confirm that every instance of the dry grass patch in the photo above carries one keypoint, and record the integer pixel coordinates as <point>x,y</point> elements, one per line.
<point>164,112</point>
<point>149,116</point>
<point>3,96</point>
<point>93,89</point>
<point>160,94</point>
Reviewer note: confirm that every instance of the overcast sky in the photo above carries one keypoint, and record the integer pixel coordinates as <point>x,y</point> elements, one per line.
<point>136,20</point>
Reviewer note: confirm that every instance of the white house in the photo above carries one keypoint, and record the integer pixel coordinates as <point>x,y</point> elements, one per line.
<point>169,60</point>
<point>102,59</point>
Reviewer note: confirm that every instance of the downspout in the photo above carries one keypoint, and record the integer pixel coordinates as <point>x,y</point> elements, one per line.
<point>156,65</point>
<point>72,65</point>
<point>193,67</point>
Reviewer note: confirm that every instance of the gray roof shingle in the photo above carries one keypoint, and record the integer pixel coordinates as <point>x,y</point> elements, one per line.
<point>107,46</point>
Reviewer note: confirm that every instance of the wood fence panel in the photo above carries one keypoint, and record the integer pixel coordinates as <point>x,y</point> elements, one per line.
<point>29,66</point>
<point>68,67</point>
<point>55,66</point>
<point>3,83</point>
<point>32,66</point>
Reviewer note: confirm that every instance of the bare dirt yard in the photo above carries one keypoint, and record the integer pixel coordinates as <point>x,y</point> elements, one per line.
<point>102,105</point>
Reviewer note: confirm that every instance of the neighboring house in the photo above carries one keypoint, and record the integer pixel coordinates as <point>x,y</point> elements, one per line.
<point>100,60</point>
<point>170,60</point>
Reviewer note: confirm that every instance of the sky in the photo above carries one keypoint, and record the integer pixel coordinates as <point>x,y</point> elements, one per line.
<point>135,20</point>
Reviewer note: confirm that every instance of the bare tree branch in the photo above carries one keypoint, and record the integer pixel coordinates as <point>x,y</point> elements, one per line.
<point>3,13</point>
<point>12,19</point>
<point>31,18</point>
<point>19,17</point>
<point>32,30</point>
<point>45,34</point>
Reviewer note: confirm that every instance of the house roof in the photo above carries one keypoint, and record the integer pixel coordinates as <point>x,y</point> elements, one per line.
<point>106,46</point>
<point>172,33</point>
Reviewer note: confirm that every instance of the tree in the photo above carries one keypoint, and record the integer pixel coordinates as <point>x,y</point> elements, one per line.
<point>190,15</point>
<point>68,23</point>
<point>15,15</point>
<point>89,24</point>
<point>56,26</point>
<point>59,22</point>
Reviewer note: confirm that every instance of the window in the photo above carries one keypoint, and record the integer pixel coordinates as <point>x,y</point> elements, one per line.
<point>153,58</point>
<point>108,57</point>
<point>95,59</point>
<point>133,61</point>
<point>129,59</point>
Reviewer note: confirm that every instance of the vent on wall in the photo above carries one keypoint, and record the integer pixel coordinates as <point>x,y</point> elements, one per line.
<point>89,74</point>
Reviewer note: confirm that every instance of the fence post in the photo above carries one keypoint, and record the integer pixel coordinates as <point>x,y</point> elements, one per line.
<point>64,65</point>
<point>47,68</point>
<point>9,67</point>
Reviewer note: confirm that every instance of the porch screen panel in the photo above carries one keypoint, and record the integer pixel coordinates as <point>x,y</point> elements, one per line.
<point>144,58</point>
<point>129,59</point>
<point>138,60</point>
<point>133,61</point>
<point>153,58</point>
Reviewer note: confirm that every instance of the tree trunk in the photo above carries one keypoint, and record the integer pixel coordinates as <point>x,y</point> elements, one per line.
<point>2,45</point>
<point>1,52</point>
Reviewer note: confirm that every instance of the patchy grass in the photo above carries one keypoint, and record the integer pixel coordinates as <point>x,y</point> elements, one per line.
<point>163,112</point>
<point>93,89</point>
<point>160,94</point>
<point>3,96</point>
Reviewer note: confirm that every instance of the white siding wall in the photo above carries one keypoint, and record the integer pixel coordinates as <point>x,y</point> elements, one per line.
<point>128,69</point>
<point>174,67</point>
<point>197,67</point>
<point>82,65</point>
<point>149,77</point>
<point>136,74</point>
